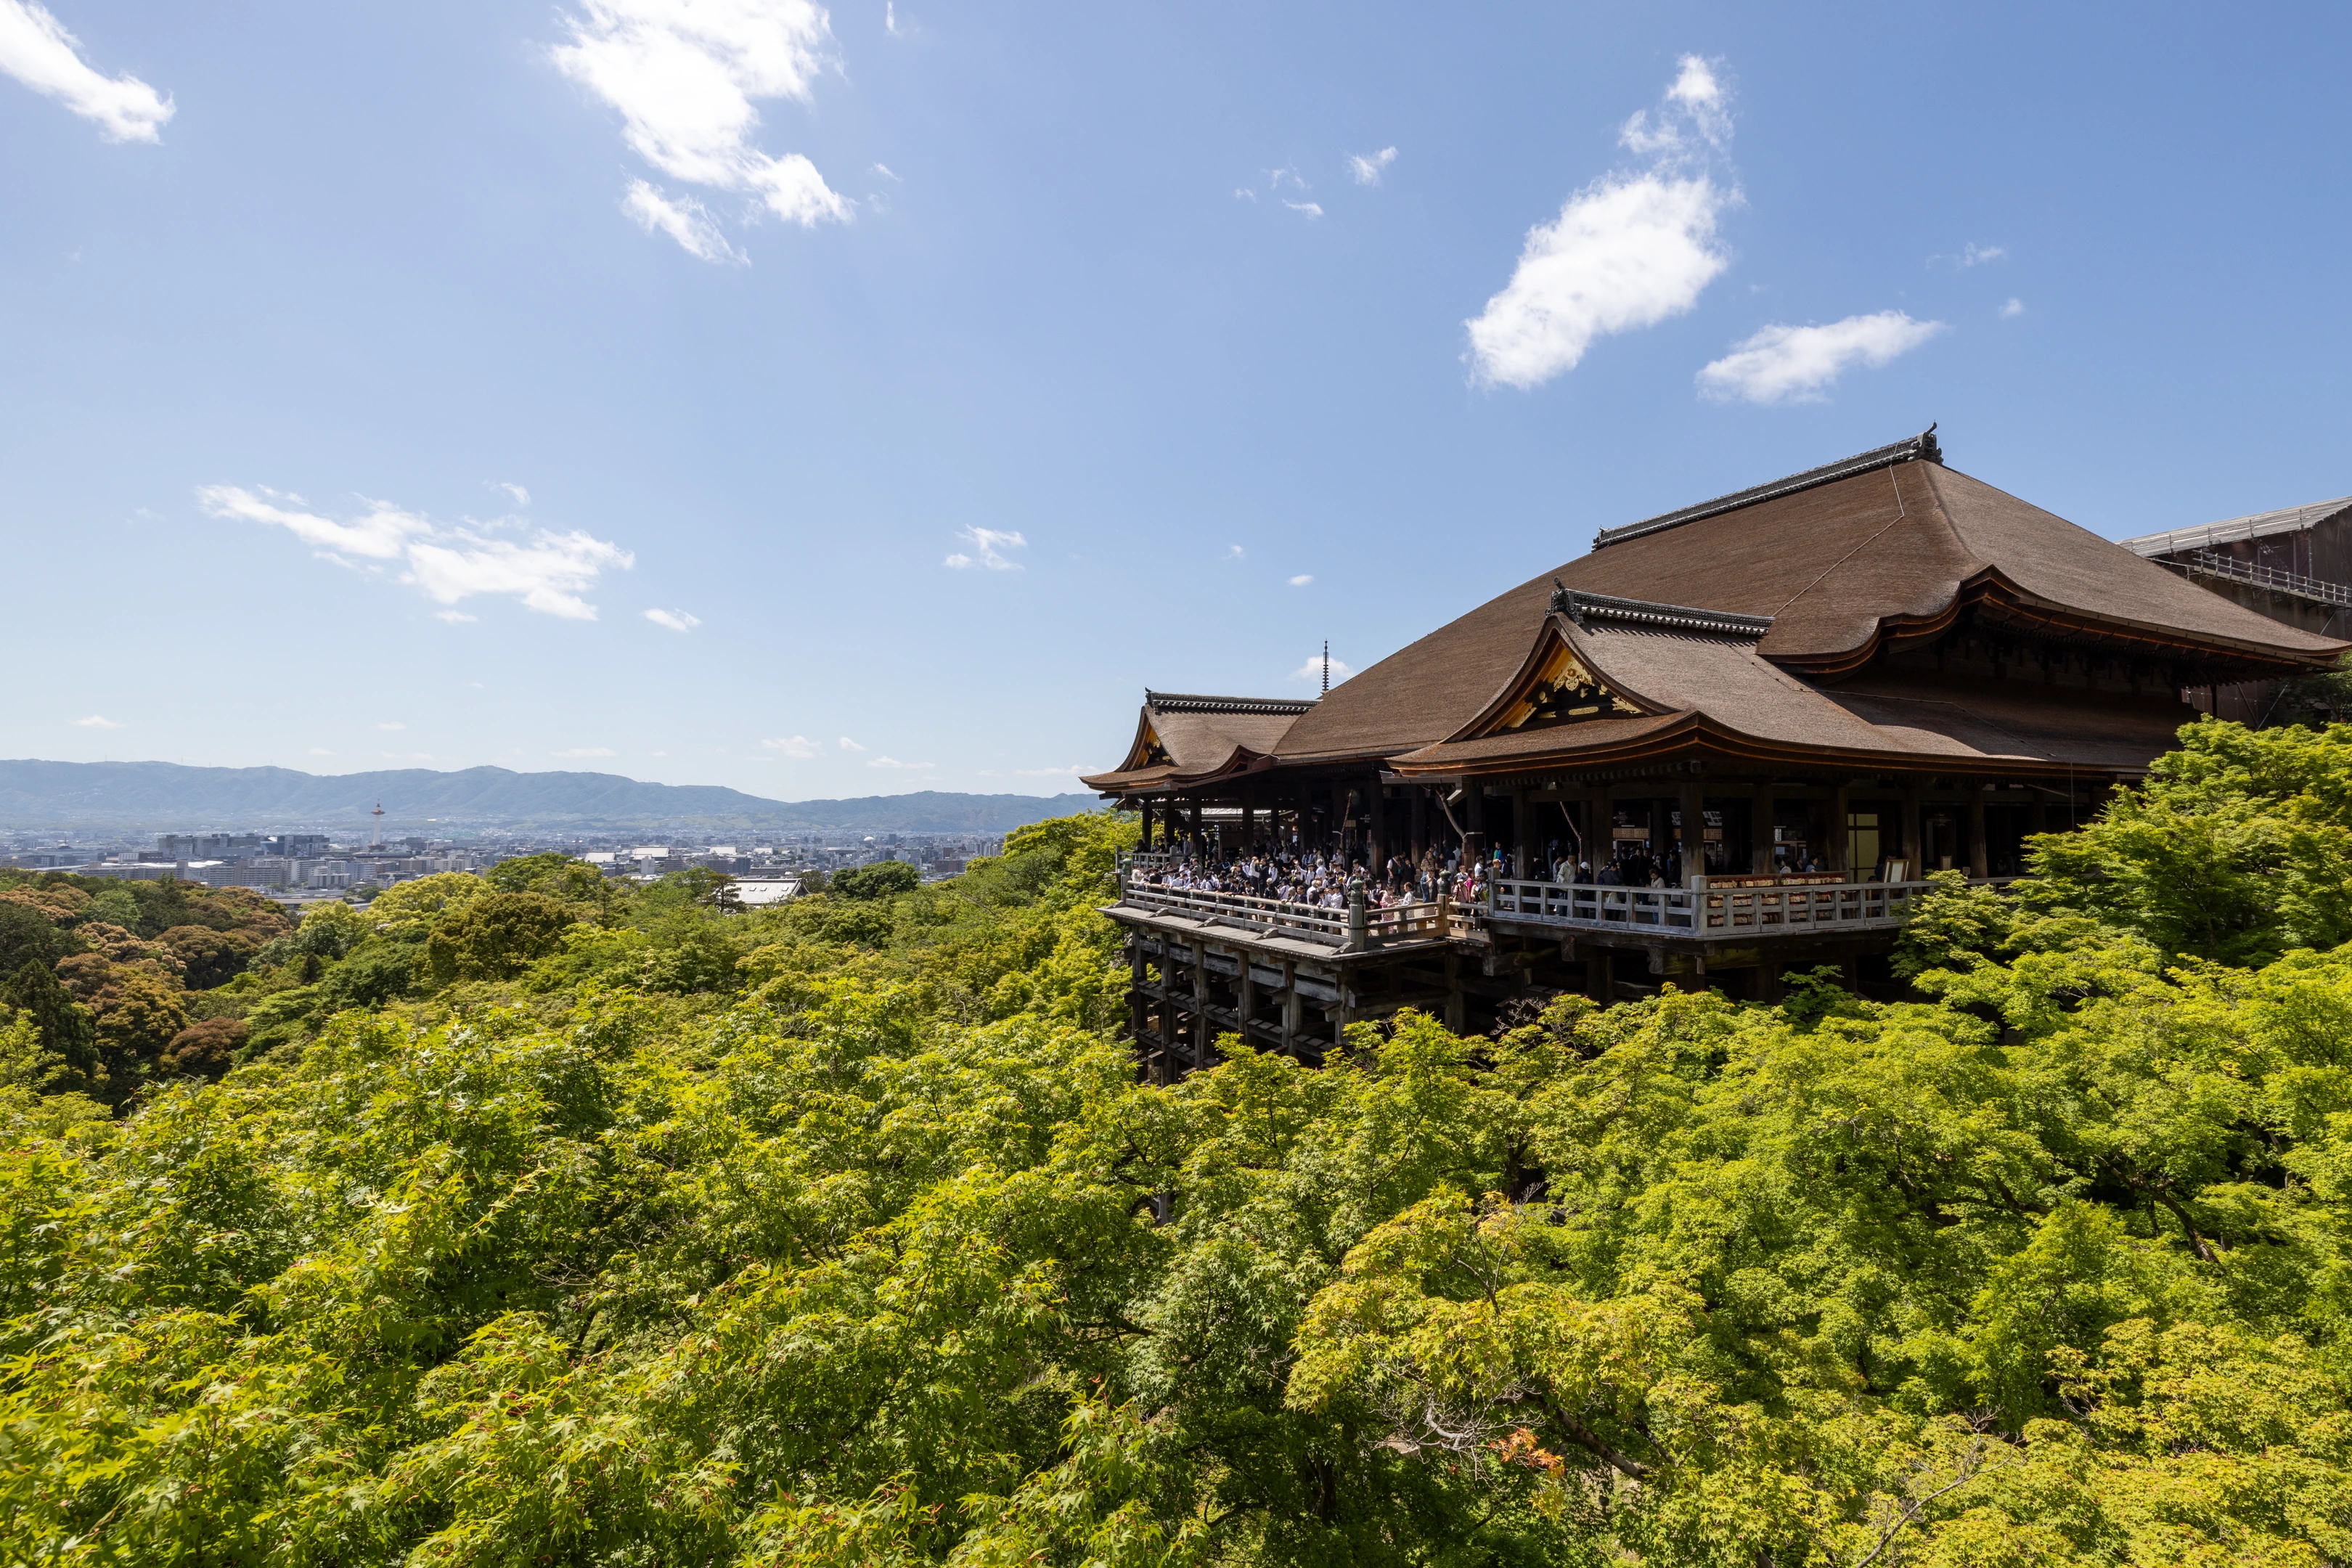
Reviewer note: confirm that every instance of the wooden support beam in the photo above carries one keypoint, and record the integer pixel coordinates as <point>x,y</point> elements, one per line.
<point>1840,844</point>
<point>1692,805</point>
<point>1980,851</point>
<point>1760,828</point>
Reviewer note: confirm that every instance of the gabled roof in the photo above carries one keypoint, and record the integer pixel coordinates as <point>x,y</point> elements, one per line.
<point>1842,561</point>
<point>2254,525</point>
<point>1922,448</point>
<point>1184,738</point>
<point>1678,689</point>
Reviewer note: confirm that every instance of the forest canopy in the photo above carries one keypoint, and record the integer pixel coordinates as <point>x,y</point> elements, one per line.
<point>533,1219</point>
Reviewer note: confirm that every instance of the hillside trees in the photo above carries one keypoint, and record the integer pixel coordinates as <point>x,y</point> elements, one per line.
<point>844,1234</point>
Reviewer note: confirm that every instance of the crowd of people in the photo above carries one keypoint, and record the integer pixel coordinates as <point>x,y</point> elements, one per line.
<point>1288,872</point>
<point>1294,874</point>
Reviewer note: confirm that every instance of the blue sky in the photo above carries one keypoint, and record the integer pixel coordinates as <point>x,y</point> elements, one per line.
<point>849,401</point>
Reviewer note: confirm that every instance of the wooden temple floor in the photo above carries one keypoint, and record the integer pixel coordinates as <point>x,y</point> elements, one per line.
<point>1194,978</point>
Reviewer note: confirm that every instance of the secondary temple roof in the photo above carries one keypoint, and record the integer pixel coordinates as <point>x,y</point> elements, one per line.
<point>1182,738</point>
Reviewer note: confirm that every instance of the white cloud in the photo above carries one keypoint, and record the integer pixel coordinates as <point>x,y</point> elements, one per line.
<point>1302,579</point>
<point>992,544</point>
<point>547,572</point>
<point>1368,170</point>
<point>894,763</point>
<point>1975,254</point>
<point>95,721</point>
<point>521,496</point>
<point>890,18</point>
<point>683,75</point>
<point>684,219</point>
<point>800,747</point>
<point>36,50</point>
<point>2011,307</point>
<point>1073,771</point>
<point>320,751</point>
<point>390,724</point>
<point>585,751</point>
<point>884,170</point>
<point>675,620</point>
<point>1235,553</point>
<point>1629,250</point>
<point>1277,181</point>
<point>382,534</point>
<point>1793,365</point>
<point>1313,670</point>
<point>1695,115</point>
<point>455,617</point>
<point>849,746</point>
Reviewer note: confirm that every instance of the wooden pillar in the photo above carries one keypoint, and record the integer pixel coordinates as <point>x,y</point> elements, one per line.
<point>1473,821</point>
<point>1914,846</point>
<point>1455,1017</point>
<point>1203,1046</point>
<point>2037,815</point>
<point>1840,844</point>
<point>1693,807</point>
<point>1519,856</point>
<point>1600,975</point>
<point>1420,821</point>
<point>1249,824</point>
<point>1290,1007</point>
<point>1135,997</point>
<point>1378,810</point>
<point>1979,852</point>
<point>1760,810</point>
<point>1145,841</point>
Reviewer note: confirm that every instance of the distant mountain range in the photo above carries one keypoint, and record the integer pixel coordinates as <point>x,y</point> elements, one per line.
<point>38,794</point>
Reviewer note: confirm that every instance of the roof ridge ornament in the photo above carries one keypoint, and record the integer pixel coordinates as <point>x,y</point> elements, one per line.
<point>1921,448</point>
<point>1564,603</point>
<point>1583,609</point>
<point>1193,703</point>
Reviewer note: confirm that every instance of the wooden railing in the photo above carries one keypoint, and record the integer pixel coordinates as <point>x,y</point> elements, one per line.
<point>2213,563</point>
<point>1396,927</point>
<point>1734,913</point>
<point>1727,912</point>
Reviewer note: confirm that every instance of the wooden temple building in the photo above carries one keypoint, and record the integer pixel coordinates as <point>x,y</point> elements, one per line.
<point>1802,697</point>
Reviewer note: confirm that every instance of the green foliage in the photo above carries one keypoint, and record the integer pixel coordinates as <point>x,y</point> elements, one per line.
<point>66,1029</point>
<point>27,935</point>
<point>881,879</point>
<point>2238,848</point>
<point>644,1232</point>
<point>411,909</point>
<point>497,936</point>
<point>208,957</point>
